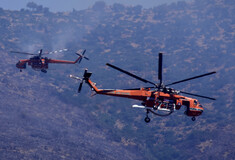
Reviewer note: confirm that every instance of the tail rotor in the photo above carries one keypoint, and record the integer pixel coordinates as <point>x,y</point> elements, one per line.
<point>86,76</point>
<point>80,86</point>
<point>82,56</point>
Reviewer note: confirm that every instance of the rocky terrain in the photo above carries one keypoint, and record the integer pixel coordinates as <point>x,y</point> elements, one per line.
<point>43,117</point>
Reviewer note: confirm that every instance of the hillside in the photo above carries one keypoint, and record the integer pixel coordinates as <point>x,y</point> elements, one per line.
<point>42,116</point>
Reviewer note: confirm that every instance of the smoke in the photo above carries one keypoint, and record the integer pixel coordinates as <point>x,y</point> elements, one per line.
<point>74,28</point>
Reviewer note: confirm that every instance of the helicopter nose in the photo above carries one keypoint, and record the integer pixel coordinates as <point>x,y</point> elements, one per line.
<point>201,108</point>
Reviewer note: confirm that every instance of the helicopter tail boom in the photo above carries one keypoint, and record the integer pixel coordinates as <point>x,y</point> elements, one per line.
<point>78,60</point>
<point>133,94</point>
<point>139,94</point>
<point>64,61</point>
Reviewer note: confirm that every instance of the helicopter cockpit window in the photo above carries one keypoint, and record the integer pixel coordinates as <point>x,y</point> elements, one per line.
<point>195,102</point>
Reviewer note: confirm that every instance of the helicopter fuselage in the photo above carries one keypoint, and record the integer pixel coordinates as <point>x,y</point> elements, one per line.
<point>41,63</point>
<point>154,99</point>
<point>157,99</point>
<point>36,63</point>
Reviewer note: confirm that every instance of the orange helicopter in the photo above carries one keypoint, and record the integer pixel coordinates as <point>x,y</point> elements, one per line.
<point>37,62</point>
<point>159,99</point>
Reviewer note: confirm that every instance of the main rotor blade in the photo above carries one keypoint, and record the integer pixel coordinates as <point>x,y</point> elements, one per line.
<point>207,74</point>
<point>22,53</point>
<point>130,74</point>
<point>197,95</point>
<point>160,68</point>
<point>57,51</point>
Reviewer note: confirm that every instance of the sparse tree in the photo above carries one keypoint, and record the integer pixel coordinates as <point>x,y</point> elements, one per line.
<point>39,8</point>
<point>32,5</point>
<point>118,7</point>
<point>99,6</point>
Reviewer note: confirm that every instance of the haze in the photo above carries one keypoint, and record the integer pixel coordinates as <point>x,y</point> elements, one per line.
<point>65,5</point>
